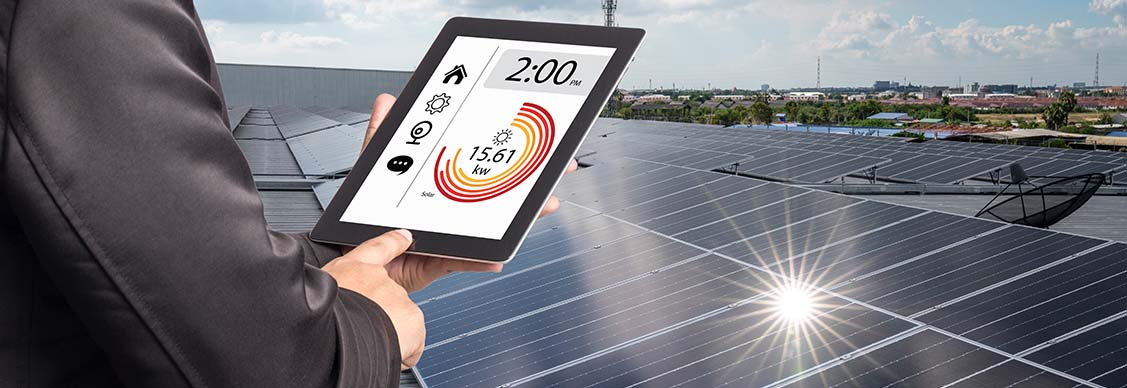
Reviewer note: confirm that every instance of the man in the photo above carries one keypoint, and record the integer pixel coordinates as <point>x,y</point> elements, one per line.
<point>133,249</point>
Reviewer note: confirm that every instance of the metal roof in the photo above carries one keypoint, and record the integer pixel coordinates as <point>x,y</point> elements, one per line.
<point>889,116</point>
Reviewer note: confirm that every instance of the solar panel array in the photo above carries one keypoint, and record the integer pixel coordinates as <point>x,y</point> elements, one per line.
<point>285,141</point>
<point>802,157</point>
<point>656,273</point>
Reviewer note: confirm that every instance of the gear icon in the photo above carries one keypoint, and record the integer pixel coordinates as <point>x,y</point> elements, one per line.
<point>438,103</point>
<point>502,137</point>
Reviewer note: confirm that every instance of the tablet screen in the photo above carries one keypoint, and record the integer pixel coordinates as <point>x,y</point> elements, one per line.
<point>474,143</point>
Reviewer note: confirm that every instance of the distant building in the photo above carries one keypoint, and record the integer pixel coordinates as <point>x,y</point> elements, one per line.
<point>654,98</point>
<point>882,85</point>
<point>963,96</point>
<point>629,98</point>
<point>891,116</point>
<point>932,92</point>
<point>1000,95</point>
<point>733,97</point>
<point>858,97</point>
<point>971,88</point>
<point>1115,90</point>
<point>1079,85</point>
<point>764,87</point>
<point>805,96</point>
<point>1000,89</point>
<point>684,98</point>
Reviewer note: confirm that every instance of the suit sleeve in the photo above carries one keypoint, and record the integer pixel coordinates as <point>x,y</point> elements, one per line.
<point>143,210</point>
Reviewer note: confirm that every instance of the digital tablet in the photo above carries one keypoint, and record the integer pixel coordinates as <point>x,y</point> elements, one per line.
<point>480,136</point>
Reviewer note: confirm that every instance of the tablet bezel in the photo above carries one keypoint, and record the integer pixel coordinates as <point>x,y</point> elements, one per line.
<point>625,41</point>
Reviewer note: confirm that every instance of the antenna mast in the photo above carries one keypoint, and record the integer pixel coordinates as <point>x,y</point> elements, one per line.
<point>609,6</point>
<point>818,85</point>
<point>1097,83</point>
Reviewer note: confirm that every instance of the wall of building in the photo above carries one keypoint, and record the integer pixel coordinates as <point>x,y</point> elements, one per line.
<point>262,85</point>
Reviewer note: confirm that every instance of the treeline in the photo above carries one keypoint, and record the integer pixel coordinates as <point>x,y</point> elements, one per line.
<point>807,112</point>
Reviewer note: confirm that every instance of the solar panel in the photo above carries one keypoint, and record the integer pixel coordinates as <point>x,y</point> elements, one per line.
<point>554,283</point>
<point>966,170</point>
<point>661,273</point>
<point>891,171</point>
<point>1098,354</point>
<point>920,285</point>
<point>1042,305</point>
<point>330,151</point>
<point>748,346</point>
<point>842,168</point>
<point>343,116</point>
<point>931,359</point>
<point>565,333</point>
<point>326,190</point>
<point>865,255</point>
<point>293,122</point>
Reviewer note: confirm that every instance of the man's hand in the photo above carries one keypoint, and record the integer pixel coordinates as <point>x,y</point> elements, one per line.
<point>365,270</point>
<point>414,272</point>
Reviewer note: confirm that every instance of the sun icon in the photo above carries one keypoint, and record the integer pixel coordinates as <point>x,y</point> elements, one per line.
<point>502,137</point>
<point>438,103</point>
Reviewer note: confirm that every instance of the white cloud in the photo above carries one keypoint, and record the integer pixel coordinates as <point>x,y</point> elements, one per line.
<point>1117,9</point>
<point>722,42</point>
<point>868,34</point>
<point>293,40</point>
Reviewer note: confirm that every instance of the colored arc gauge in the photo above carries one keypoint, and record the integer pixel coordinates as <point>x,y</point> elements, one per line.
<point>499,163</point>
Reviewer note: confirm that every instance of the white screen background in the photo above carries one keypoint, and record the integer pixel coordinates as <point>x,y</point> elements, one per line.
<point>387,198</point>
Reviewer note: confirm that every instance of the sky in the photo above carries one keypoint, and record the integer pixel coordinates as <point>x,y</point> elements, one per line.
<point>718,43</point>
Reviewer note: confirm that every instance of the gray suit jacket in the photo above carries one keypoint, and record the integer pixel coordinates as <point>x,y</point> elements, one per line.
<point>133,248</point>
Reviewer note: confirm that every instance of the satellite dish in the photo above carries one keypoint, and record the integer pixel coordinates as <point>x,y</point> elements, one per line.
<point>1045,205</point>
<point>1017,174</point>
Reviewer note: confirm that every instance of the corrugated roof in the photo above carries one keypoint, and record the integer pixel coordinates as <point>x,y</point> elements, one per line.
<point>269,157</point>
<point>889,116</point>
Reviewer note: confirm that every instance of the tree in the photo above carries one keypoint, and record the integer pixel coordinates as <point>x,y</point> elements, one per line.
<point>792,111</point>
<point>861,111</point>
<point>1055,115</point>
<point>946,100</point>
<point>1068,101</point>
<point>1055,143</point>
<point>761,113</point>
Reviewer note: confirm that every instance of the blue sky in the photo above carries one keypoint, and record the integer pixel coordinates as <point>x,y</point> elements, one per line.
<point>725,43</point>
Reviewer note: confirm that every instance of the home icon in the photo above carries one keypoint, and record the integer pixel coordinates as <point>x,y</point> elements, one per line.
<point>458,74</point>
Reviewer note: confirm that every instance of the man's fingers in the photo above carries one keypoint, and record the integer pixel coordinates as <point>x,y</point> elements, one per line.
<point>550,206</point>
<point>380,108</point>
<point>383,249</point>
<point>469,266</point>
<point>574,165</point>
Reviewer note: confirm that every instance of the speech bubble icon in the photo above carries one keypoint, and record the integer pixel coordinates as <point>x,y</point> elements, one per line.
<point>400,164</point>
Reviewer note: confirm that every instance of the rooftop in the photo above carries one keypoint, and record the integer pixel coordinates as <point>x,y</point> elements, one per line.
<point>693,254</point>
<point>890,116</point>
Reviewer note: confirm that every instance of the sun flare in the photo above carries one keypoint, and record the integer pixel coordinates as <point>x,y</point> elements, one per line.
<point>795,304</point>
